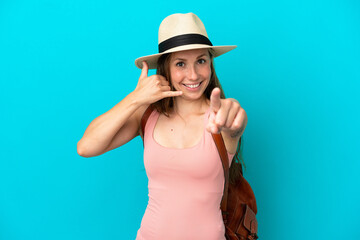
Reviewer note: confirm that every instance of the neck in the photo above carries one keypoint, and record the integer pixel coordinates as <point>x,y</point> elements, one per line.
<point>185,107</point>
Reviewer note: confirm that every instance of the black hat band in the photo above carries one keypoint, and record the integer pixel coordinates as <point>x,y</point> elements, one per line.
<point>184,39</point>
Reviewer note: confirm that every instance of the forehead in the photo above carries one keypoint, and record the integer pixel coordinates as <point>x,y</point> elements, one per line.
<point>193,53</point>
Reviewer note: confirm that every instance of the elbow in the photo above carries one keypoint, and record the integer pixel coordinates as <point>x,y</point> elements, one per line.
<point>81,150</point>
<point>86,149</point>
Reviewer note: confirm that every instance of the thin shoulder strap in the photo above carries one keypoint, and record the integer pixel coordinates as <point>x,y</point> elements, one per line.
<point>145,117</point>
<point>220,145</point>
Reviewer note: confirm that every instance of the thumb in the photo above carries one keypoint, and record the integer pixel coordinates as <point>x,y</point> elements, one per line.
<point>144,70</point>
<point>215,102</point>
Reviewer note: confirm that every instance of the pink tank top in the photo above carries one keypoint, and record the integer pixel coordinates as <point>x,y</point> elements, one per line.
<point>185,189</point>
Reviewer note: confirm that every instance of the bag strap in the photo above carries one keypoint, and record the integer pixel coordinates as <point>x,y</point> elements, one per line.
<point>220,145</point>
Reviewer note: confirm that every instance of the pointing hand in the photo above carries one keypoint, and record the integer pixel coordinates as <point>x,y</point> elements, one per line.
<point>225,114</point>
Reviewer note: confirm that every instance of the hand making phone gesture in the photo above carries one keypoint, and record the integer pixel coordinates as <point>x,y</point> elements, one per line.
<point>153,88</point>
<point>225,115</point>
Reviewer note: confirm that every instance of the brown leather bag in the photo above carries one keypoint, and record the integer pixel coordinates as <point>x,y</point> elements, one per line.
<point>238,204</point>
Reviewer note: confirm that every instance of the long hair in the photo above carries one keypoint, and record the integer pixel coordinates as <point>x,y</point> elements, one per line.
<point>166,104</point>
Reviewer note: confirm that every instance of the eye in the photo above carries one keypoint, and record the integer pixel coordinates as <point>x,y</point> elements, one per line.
<point>180,64</point>
<point>201,61</point>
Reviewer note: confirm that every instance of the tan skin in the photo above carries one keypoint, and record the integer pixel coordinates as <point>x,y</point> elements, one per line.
<point>184,127</point>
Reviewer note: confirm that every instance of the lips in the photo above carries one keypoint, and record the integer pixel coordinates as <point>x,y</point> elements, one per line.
<point>192,85</point>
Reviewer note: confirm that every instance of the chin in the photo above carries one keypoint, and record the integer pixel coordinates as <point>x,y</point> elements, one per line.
<point>190,96</point>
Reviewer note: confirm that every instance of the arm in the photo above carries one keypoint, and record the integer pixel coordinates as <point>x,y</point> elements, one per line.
<point>122,123</point>
<point>228,118</point>
<point>232,136</point>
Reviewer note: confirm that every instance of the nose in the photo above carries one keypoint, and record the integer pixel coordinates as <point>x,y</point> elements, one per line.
<point>192,73</point>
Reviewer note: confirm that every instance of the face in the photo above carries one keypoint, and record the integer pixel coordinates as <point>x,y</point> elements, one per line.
<point>190,72</point>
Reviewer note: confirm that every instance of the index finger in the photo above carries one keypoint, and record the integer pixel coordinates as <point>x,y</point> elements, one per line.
<point>215,102</point>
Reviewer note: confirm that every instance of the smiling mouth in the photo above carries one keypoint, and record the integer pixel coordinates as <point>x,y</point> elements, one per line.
<point>192,85</point>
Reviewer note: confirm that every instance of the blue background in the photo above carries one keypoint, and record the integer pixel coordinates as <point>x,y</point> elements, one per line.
<point>296,73</point>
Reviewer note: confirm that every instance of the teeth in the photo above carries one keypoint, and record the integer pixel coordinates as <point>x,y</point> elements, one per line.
<point>192,86</point>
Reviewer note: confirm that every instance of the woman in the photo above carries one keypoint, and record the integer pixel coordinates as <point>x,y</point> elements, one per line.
<point>182,163</point>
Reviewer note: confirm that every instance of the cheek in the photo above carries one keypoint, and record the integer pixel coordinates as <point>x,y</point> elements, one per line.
<point>206,72</point>
<point>176,76</point>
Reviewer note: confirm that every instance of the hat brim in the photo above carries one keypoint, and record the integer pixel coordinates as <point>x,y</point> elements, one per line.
<point>151,60</point>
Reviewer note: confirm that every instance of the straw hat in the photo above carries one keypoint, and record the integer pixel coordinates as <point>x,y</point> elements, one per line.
<point>179,32</point>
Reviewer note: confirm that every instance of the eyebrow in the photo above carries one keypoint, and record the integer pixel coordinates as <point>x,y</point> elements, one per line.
<point>196,57</point>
